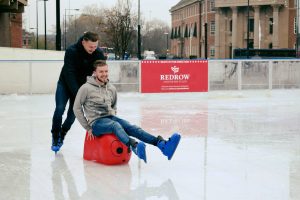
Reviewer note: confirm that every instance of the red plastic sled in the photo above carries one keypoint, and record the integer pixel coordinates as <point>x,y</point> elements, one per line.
<point>106,149</point>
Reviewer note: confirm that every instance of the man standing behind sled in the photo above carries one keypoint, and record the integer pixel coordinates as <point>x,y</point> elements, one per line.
<point>78,62</point>
<point>95,108</point>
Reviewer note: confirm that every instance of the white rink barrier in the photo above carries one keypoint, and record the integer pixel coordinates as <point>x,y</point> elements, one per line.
<point>41,76</point>
<point>253,74</point>
<point>37,71</point>
<point>30,71</point>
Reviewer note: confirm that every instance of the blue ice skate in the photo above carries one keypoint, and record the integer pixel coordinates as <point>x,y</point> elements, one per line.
<point>55,147</point>
<point>55,143</point>
<point>140,151</point>
<point>169,147</point>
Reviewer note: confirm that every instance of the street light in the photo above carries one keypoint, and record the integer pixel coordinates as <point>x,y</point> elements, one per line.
<point>297,29</point>
<point>45,23</point>
<point>65,27</point>
<point>75,28</point>
<point>58,29</point>
<point>139,31</point>
<point>167,34</point>
<point>37,44</point>
<point>248,29</point>
<point>37,24</point>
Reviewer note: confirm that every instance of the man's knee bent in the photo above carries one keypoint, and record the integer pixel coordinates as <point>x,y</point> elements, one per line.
<point>116,125</point>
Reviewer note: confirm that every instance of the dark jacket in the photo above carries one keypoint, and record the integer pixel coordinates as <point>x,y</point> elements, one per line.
<point>78,64</point>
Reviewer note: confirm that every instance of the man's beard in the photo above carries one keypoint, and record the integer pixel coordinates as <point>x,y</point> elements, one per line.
<point>105,81</point>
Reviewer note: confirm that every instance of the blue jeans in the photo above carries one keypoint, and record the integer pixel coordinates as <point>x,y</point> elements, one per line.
<point>122,129</point>
<point>62,96</point>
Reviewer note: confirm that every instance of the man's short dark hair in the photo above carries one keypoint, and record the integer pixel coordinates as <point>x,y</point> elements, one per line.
<point>99,63</point>
<point>90,36</point>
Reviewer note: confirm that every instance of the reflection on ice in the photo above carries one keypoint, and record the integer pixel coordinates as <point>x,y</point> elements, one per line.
<point>235,145</point>
<point>104,182</point>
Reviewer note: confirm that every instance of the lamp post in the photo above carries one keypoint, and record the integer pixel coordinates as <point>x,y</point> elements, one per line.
<point>58,29</point>
<point>75,28</point>
<point>205,30</point>
<point>139,32</point>
<point>297,29</point>
<point>37,44</point>
<point>167,34</point>
<point>45,23</point>
<point>248,29</point>
<point>65,25</point>
<point>37,25</point>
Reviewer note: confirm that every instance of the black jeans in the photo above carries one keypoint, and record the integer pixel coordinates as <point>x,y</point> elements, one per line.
<point>62,96</point>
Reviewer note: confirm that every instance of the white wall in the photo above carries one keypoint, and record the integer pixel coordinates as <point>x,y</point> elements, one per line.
<point>37,71</point>
<point>29,54</point>
<point>29,70</point>
<point>253,74</point>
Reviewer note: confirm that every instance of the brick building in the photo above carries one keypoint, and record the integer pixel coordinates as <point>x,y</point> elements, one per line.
<point>272,24</point>
<point>11,22</point>
<point>189,18</point>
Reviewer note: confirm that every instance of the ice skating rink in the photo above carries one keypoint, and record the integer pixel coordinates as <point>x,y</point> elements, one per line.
<point>236,145</point>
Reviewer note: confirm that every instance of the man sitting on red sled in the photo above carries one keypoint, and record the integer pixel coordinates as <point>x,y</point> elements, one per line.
<point>95,108</point>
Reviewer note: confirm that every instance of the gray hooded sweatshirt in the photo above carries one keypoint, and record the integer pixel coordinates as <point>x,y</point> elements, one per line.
<point>94,101</point>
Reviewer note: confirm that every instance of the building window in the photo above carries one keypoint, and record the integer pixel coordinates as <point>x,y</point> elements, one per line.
<point>186,32</point>
<point>212,27</point>
<point>230,25</point>
<point>180,32</point>
<point>251,25</point>
<point>212,5</point>
<point>251,44</point>
<point>270,46</point>
<point>191,29</point>
<point>295,25</point>
<point>212,51</point>
<point>271,25</point>
<point>175,33</point>
<point>195,30</point>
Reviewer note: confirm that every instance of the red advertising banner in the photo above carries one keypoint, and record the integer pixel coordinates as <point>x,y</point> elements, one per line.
<point>174,76</point>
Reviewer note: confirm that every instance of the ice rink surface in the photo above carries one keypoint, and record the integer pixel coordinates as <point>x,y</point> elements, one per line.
<point>236,145</point>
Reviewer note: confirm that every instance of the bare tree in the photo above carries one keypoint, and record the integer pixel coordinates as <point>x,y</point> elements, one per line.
<point>120,25</point>
<point>117,27</point>
<point>91,19</point>
<point>154,37</point>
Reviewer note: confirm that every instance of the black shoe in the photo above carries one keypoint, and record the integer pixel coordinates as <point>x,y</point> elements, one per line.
<point>61,138</point>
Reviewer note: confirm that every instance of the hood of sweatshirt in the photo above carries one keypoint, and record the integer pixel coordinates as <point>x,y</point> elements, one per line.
<point>92,80</point>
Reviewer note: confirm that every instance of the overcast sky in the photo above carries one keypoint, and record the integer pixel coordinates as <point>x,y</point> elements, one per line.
<point>150,9</point>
